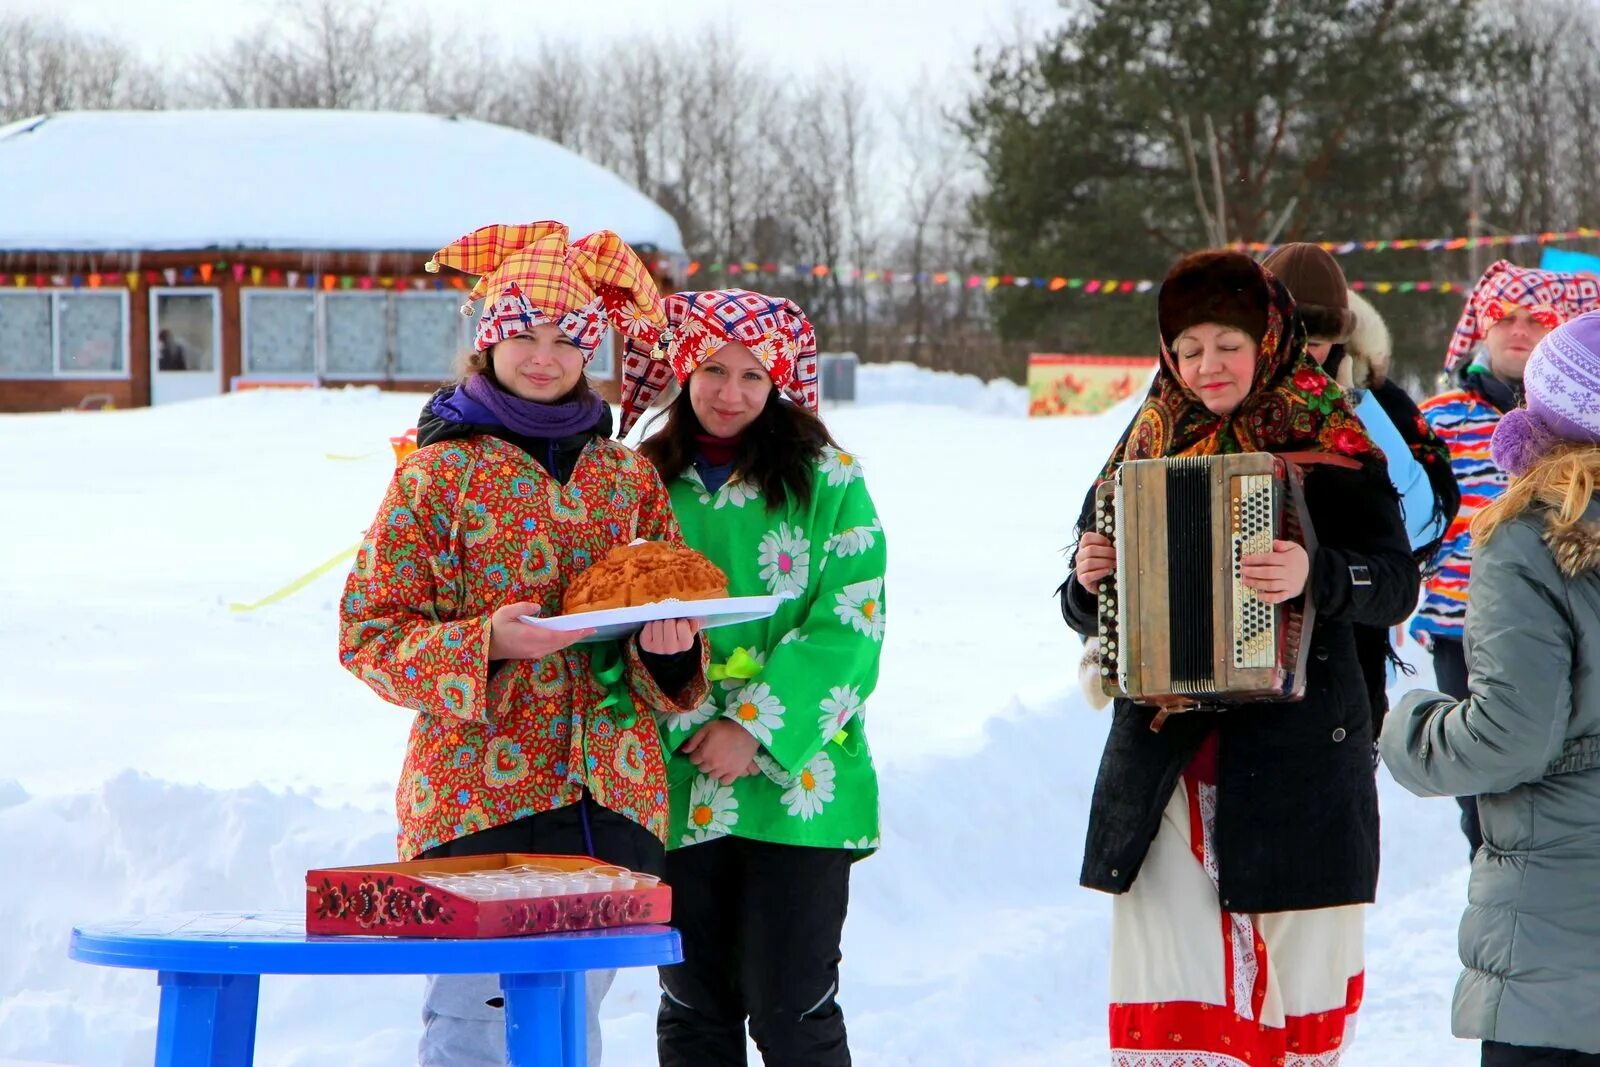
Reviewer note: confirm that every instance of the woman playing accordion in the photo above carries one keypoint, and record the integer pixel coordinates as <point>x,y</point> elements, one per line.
<point>1241,840</point>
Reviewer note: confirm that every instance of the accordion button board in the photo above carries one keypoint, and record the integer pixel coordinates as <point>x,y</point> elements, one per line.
<point>1177,625</point>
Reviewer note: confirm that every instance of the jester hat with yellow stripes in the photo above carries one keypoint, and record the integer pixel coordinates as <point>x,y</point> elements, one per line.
<point>530,275</point>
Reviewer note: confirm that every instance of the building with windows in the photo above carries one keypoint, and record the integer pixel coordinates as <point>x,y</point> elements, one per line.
<point>147,257</point>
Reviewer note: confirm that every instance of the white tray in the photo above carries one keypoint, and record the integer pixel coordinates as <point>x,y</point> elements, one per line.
<point>613,623</point>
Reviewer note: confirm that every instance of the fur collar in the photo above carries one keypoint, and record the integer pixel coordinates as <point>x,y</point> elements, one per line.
<point>1368,352</point>
<point>1576,549</point>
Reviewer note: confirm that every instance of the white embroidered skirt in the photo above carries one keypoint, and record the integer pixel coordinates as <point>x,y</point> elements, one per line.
<point>1195,986</point>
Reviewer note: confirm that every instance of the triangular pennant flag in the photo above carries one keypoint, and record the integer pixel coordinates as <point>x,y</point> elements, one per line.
<point>171,274</point>
<point>294,278</point>
<point>255,275</point>
<point>205,273</point>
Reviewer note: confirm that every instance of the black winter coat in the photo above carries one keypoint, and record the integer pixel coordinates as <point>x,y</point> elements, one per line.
<point>1297,802</point>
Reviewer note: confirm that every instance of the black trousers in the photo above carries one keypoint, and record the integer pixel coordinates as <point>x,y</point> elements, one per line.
<point>581,829</point>
<point>1450,669</point>
<point>1499,1054</point>
<point>761,925</point>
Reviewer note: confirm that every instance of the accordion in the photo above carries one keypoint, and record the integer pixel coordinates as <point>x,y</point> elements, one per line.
<point>1178,627</point>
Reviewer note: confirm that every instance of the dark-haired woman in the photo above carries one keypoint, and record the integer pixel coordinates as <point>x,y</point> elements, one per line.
<point>773,791</point>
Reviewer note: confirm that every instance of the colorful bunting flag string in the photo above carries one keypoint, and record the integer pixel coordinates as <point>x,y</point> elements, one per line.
<point>204,273</point>
<point>1058,283</point>
<point>1437,244</point>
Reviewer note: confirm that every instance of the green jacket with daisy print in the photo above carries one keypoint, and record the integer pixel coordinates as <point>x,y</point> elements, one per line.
<point>798,680</point>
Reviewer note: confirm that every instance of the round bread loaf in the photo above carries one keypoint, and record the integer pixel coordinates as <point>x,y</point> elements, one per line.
<point>645,572</point>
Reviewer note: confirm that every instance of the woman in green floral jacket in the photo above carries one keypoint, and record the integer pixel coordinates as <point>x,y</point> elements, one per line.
<point>773,790</point>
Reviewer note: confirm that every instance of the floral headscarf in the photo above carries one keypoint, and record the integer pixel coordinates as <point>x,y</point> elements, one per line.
<point>700,323</point>
<point>1292,405</point>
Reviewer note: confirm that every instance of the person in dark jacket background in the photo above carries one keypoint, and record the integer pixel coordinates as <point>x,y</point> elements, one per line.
<point>1526,738</point>
<point>1348,337</point>
<point>1242,842</point>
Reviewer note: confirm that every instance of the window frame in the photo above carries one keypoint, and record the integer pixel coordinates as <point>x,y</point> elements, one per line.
<point>323,372</point>
<point>55,371</point>
<point>249,293</point>
<point>319,341</point>
<point>464,326</point>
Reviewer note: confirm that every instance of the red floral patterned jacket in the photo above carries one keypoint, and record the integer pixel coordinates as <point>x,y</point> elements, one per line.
<point>465,527</point>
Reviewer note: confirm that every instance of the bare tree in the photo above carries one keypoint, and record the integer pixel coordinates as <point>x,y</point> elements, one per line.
<point>553,91</point>
<point>1534,144</point>
<point>44,66</point>
<point>934,162</point>
<point>641,121</point>
<point>829,199</point>
<point>321,54</point>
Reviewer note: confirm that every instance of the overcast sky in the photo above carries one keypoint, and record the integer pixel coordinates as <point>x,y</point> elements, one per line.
<point>889,41</point>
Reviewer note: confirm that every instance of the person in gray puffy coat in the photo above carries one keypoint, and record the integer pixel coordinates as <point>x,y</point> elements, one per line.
<point>1527,738</point>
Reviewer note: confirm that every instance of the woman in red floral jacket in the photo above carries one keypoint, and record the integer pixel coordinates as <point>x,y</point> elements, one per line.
<point>523,741</point>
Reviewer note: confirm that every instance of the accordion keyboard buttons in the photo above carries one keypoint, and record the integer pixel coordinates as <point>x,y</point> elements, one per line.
<point>1255,641</point>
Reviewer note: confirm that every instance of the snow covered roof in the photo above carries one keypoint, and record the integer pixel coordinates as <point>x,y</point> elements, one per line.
<point>324,180</point>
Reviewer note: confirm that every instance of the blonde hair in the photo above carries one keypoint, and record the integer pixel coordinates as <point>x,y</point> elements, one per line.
<point>1564,481</point>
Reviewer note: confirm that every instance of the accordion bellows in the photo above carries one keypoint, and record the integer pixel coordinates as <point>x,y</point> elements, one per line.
<point>1178,627</point>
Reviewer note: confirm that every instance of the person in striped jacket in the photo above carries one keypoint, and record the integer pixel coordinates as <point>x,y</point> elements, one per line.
<point>1508,312</point>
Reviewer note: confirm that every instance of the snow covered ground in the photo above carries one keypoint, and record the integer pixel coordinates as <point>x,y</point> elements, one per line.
<point>161,752</point>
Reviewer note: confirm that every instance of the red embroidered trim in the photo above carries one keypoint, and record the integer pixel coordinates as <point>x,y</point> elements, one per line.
<point>1210,1035</point>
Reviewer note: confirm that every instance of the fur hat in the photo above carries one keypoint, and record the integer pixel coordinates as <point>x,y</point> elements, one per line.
<point>1316,281</point>
<point>1215,286</point>
<point>1369,349</point>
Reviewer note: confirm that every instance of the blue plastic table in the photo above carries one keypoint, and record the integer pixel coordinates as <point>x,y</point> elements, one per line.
<point>210,964</point>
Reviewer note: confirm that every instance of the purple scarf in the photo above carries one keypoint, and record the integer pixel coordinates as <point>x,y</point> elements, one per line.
<point>479,401</point>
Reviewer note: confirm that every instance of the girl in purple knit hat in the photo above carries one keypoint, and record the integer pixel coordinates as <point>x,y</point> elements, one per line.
<point>1526,739</point>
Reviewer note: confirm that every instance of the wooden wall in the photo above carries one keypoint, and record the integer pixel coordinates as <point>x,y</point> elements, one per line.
<point>50,394</point>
